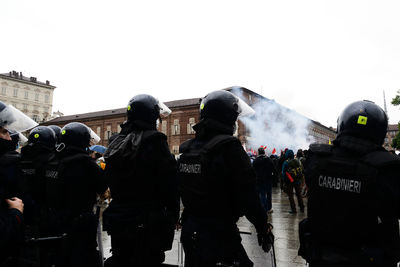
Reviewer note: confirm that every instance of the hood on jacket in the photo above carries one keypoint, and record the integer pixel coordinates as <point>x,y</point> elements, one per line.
<point>289,154</point>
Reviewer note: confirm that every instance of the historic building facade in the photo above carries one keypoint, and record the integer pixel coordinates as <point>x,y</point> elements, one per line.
<point>393,129</point>
<point>32,97</point>
<point>178,125</point>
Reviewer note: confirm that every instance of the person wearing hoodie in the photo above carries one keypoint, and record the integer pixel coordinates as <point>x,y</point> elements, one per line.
<point>292,173</point>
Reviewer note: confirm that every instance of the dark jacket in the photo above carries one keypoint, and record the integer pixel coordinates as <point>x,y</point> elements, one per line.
<point>11,220</point>
<point>233,194</point>
<point>264,168</point>
<point>358,180</point>
<point>142,178</point>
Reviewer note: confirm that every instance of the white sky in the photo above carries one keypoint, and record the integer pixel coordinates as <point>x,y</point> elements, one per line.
<point>312,56</point>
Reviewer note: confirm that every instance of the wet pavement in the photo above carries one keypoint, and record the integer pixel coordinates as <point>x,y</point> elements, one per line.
<point>285,231</point>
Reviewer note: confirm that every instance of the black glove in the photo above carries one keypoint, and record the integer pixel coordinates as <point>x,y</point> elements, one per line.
<point>266,238</point>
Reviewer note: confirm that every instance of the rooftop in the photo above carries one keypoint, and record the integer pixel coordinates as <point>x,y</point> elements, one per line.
<point>120,111</point>
<point>14,75</point>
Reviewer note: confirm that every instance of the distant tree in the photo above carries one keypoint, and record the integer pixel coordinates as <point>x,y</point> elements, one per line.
<point>396,100</point>
<point>396,140</point>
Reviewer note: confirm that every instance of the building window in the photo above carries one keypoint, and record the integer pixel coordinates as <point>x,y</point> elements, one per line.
<point>175,129</point>
<point>26,95</point>
<point>46,98</point>
<point>3,91</point>
<point>175,150</point>
<point>107,133</point>
<point>15,92</point>
<point>36,96</point>
<point>190,126</point>
<point>35,117</point>
<point>164,127</point>
<point>25,106</point>
<point>119,127</point>
<point>98,131</point>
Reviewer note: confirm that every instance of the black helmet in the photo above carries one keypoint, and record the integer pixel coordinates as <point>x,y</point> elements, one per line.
<point>75,134</point>
<point>223,106</point>
<point>363,119</point>
<point>44,136</point>
<point>57,131</point>
<point>146,109</point>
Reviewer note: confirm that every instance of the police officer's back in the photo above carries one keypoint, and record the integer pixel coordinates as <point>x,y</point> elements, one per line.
<point>71,194</point>
<point>142,175</point>
<point>217,186</point>
<point>353,206</point>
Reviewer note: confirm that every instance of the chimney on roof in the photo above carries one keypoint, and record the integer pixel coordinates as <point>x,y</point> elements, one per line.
<point>47,82</point>
<point>20,74</point>
<point>33,79</point>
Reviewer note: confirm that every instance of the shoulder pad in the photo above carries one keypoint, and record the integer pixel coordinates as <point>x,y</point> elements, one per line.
<point>185,146</point>
<point>219,140</point>
<point>381,159</point>
<point>322,149</point>
<point>153,134</point>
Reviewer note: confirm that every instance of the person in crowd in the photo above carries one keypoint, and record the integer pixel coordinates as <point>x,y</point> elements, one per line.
<point>11,206</point>
<point>141,172</point>
<point>265,172</point>
<point>292,173</point>
<point>300,156</point>
<point>217,186</point>
<point>35,157</point>
<point>72,186</point>
<point>354,195</point>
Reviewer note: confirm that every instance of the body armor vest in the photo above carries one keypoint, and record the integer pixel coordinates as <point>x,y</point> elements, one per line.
<point>122,165</point>
<point>343,207</point>
<point>203,185</point>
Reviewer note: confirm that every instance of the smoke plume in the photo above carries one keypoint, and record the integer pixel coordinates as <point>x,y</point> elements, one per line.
<point>275,126</point>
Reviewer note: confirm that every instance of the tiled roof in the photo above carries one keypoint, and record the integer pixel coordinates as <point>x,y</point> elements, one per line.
<point>18,77</point>
<point>119,111</point>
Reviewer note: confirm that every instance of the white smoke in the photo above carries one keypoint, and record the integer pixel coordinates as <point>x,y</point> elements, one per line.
<point>275,126</point>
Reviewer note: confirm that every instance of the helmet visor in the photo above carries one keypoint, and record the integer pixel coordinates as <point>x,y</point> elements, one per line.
<point>94,138</point>
<point>164,110</point>
<point>14,120</point>
<point>244,109</point>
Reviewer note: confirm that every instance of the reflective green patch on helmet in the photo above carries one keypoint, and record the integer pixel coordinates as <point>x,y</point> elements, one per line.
<point>129,107</point>
<point>202,106</point>
<point>63,132</point>
<point>362,120</point>
<point>36,136</point>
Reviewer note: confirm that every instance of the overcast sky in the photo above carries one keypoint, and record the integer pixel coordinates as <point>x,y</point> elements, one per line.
<point>312,56</point>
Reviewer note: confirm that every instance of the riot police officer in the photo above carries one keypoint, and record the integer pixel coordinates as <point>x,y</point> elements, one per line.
<point>217,186</point>
<point>354,198</point>
<point>11,207</point>
<point>57,131</point>
<point>71,191</point>
<point>36,157</point>
<point>141,173</point>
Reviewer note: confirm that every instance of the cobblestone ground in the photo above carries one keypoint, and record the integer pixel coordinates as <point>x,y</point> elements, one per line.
<point>285,231</point>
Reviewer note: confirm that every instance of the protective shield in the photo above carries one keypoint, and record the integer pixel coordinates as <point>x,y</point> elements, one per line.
<point>94,138</point>
<point>14,120</point>
<point>244,109</point>
<point>164,110</point>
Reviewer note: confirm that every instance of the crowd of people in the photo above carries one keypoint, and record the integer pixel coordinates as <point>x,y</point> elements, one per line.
<point>48,191</point>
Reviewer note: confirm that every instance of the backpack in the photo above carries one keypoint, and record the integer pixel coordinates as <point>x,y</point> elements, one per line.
<point>295,170</point>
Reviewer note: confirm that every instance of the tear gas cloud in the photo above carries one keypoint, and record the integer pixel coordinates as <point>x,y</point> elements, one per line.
<point>275,126</point>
